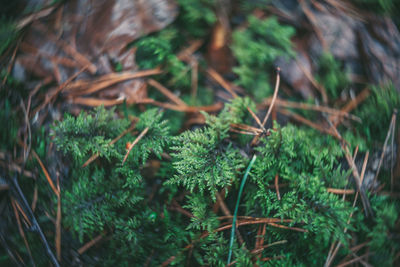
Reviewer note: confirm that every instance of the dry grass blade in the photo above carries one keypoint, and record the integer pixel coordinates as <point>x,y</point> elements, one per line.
<point>162,89</point>
<point>352,105</point>
<point>85,87</point>
<point>187,52</point>
<point>389,133</point>
<point>21,231</point>
<point>268,221</point>
<point>242,132</point>
<point>317,85</point>
<point>278,195</point>
<point>260,249</point>
<point>341,191</point>
<point>190,109</point>
<point>357,259</point>
<point>221,81</point>
<point>90,244</point>
<point>195,78</point>
<point>35,198</point>
<point>27,221</point>
<point>58,223</point>
<point>46,174</point>
<point>95,156</point>
<point>332,255</point>
<point>324,109</point>
<point>95,102</point>
<point>255,117</point>
<point>306,121</point>
<point>246,128</point>
<point>54,93</point>
<point>273,97</point>
<point>10,64</point>
<point>287,227</point>
<point>134,143</point>
<point>35,16</point>
<point>68,49</point>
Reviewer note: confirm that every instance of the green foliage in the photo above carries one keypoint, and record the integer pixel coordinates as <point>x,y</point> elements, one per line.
<point>161,204</point>
<point>331,76</point>
<point>250,5</point>
<point>197,16</point>
<point>380,239</point>
<point>380,6</point>
<point>380,106</point>
<point>256,49</point>
<point>308,163</point>
<point>9,121</point>
<point>88,133</point>
<point>152,51</point>
<point>156,138</point>
<point>8,33</point>
<point>110,196</point>
<point>155,51</point>
<point>203,158</point>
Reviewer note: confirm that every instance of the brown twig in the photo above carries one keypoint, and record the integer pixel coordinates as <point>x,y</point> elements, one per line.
<point>194,79</point>
<point>58,90</point>
<point>34,222</point>
<point>187,52</point>
<point>268,221</point>
<point>341,191</point>
<point>317,85</point>
<point>68,49</point>
<point>46,174</point>
<point>255,117</point>
<point>134,143</point>
<point>260,249</point>
<point>332,255</point>
<point>278,195</point>
<point>162,89</point>
<point>21,231</point>
<point>273,97</point>
<point>359,258</point>
<point>221,81</point>
<point>307,106</point>
<point>190,109</point>
<point>306,121</point>
<point>95,156</point>
<point>246,128</point>
<point>85,87</point>
<point>35,198</point>
<point>27,221</point>
<point>11,63</point>
<point>389,133</point>
<point>90,244</point>
<point>352,105</point>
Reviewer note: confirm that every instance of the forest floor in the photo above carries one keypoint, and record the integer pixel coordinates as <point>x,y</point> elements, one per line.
<point>200,133</point>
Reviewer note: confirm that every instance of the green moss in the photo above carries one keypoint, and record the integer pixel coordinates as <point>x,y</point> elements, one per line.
<point>376,112</point>
<point>331,75</point>
<point>256,49</point>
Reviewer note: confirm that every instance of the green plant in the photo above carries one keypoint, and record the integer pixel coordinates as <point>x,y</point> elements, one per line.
<point>331,76</point>
<point>8,33</point>
<point>380,106</point>
<point>256,48</point>
<point>203,160</point>
<point>108,195</point>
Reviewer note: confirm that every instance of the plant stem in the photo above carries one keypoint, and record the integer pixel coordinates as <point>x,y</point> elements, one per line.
<point>237,207</point>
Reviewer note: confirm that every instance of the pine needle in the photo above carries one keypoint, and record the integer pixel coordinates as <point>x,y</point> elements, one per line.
<point>237,207</point>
